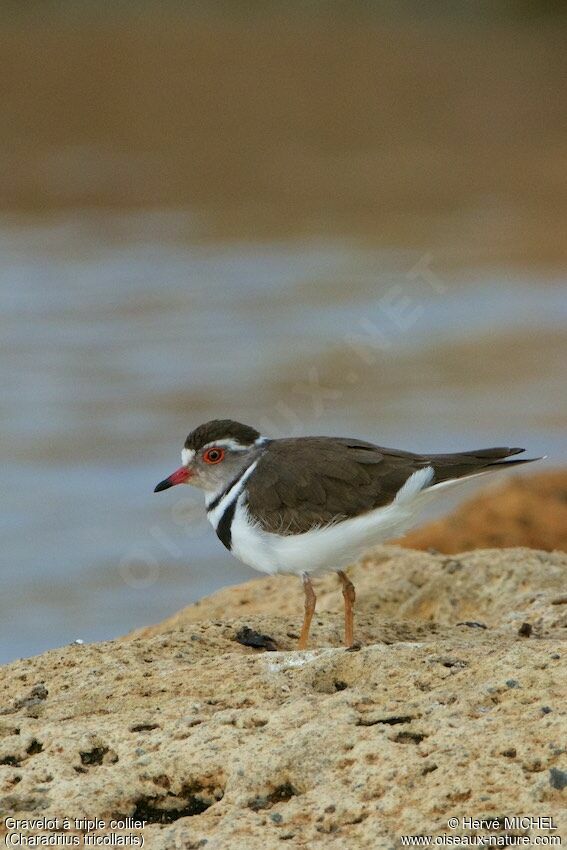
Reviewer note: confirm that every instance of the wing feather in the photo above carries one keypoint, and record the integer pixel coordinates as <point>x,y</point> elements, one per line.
<point>312,481</point>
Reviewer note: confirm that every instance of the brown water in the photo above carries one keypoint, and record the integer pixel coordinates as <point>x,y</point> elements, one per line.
<point>340,227</point>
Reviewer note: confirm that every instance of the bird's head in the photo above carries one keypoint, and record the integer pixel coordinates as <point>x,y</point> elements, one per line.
<point>214,454</point>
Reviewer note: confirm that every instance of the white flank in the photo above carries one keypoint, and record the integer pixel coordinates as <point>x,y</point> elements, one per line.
<point>417,482</point>
<point>329,547</point>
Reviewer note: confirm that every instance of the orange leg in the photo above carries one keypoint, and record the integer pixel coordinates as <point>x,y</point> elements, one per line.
<point>310,600</point>
<point>349,596</point>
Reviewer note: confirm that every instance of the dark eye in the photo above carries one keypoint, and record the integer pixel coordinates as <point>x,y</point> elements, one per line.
<point>213,455</point>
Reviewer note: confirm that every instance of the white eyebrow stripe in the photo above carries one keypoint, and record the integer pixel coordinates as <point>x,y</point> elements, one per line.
<point>187,455</point>
<point>228,443</point>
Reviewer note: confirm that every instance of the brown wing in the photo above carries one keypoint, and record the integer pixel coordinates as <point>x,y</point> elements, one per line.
<point>301,483</point>
<point>309,481</point>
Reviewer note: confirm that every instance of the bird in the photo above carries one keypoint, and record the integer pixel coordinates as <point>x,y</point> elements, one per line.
<point>311,505</point>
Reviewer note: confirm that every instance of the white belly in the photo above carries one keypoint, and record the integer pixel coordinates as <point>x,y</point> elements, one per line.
<point>330,547</point>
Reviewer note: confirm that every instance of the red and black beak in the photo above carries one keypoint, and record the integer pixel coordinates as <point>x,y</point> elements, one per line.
<point>180,476</point>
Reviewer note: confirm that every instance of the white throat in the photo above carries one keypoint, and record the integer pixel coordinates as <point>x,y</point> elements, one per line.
<point>228,497</point>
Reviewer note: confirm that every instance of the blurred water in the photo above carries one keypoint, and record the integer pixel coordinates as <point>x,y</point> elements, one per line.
<point>122,332</point>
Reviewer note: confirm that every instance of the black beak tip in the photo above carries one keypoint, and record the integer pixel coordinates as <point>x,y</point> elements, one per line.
<point>163,485</point>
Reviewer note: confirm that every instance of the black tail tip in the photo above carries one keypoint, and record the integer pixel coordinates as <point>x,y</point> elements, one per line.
<point>506,462</point>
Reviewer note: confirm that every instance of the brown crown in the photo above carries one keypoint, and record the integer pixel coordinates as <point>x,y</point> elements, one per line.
<point>221,429</point>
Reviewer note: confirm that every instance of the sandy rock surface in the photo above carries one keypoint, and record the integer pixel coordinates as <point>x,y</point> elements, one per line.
<point>501,588</point>
<point>452,707</point>
<point>526,510</point>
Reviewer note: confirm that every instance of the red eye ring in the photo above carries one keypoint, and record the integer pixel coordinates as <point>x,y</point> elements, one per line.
<point>214,455</point>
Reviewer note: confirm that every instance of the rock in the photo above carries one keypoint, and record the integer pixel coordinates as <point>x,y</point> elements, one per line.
<point>220,745</point>
<point>524,511</point>
<point>501,589</point>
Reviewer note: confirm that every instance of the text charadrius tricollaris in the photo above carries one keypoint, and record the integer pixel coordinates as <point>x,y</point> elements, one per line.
<point>309,505</point>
